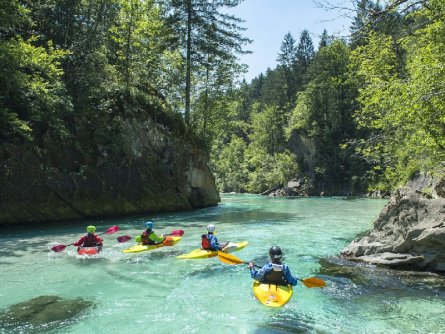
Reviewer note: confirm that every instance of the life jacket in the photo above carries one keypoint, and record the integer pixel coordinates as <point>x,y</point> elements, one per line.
<point>205,242</point>
<point>145,238</point>
<point>275,277</point>
<point>89,241</point>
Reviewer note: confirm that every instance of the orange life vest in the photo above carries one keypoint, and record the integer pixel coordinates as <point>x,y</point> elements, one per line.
<point>205,243</point>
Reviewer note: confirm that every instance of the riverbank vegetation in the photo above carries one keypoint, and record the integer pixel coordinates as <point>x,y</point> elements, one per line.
<point>346,115</point>
<point>357,115</point>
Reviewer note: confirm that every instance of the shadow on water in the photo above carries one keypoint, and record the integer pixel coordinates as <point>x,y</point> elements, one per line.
<point>195,218</point>
<point>152,255</point>
<point>346,279</point>
<point>42,314</point>
<point>286,323</point>
<point>19,248</point>
<point>52,229</point>
<point>214,270</point>
<point>224,215</point>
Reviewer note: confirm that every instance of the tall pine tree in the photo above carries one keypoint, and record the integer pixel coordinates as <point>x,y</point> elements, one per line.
<point>286,60</point>
<point>304,56</point>
<point>206,35</point>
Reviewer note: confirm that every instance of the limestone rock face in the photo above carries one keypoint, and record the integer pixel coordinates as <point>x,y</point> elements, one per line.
<point>409,232</point>
<point>144,167</point>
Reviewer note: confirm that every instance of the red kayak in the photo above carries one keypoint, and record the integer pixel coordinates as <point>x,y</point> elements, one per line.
<point>88,250</point>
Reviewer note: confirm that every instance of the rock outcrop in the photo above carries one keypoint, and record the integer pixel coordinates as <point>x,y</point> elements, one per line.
<point>409,232</point>
<point>146,166</point>
<point>42,314</point>
<point>296,187</point>
<point>317,176</point>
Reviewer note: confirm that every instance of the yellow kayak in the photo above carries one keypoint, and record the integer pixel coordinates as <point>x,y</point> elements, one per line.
<point>203,254</point>
<point>272,295</point>
<point>168,241</point>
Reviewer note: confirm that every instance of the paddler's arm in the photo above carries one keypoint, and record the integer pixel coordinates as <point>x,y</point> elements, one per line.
<point>98,239</point>
<point>79,242</point>
<point>214,245</point>
<point>154,237</point>
<point>257,274</point>
<point>292,280</point>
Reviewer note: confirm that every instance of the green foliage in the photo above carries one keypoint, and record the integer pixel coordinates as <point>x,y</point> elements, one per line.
<point>286,59</point>
<point>32,94</point>
<point>372,16</point>
<point>215,104</point>
<point>268,171</point>
<point>209,40</point>
<point>288,52</point>
<point>301,117</point>
<point>375,114</point>
<point>323,114</point>
<point>274,88</point>
<point>257,159</point>
<point>140,38</point>
<point>232,174</point>
<point>322,117</point>
<point>76,71</point>
<point>267,128</point>
<point>402,100</point>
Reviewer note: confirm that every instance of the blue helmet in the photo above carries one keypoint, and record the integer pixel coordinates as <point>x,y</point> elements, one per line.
<point>149,224</point>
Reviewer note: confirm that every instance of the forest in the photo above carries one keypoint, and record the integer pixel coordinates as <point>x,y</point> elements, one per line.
<point>347,116</point>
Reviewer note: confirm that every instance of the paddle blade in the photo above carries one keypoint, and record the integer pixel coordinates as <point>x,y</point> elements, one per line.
<point>177,233</point>
<point>314,282</point>
<point>229,258</point>
<point>58,248</point>
<point>123,238</point>
<point>112,229</point>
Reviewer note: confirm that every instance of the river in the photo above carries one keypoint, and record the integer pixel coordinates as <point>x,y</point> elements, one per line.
<point>154,292</point>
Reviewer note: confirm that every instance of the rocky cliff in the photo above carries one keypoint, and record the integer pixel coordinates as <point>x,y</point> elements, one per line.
<point>409,232</point>
<point>145,166</point>
<point>320,172</point>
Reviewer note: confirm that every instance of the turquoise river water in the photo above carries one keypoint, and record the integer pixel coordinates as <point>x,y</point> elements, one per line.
<point>153,292</point>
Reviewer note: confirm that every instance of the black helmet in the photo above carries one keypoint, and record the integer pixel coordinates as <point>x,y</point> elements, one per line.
<point>275,253</point>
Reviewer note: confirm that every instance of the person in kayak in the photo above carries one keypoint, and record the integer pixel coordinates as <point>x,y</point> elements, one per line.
<point>209,240</point>
<point>274,272</point>
<point>149,237</point>
<point>91,239</point>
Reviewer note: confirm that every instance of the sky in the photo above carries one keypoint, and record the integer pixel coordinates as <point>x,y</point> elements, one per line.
<point>267,21</point>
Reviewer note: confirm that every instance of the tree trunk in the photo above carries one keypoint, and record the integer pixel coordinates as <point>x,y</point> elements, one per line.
<point>188,62</point>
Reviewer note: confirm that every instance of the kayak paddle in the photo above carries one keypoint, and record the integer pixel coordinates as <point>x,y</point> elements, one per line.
<point>123,238</point>
<point>59,248</point>
<point>311,282</point>
<point>174,233</point>
<point>110,230</point>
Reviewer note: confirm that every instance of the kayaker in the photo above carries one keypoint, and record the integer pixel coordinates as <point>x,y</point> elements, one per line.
<point>274,272</point>
<point>209,240</point>
<point>149,237</point>
<point>91,239</point>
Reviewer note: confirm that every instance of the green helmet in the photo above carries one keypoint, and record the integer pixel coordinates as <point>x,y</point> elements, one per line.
<point>91,229</point>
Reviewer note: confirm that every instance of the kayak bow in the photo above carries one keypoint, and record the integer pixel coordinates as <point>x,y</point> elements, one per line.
<point>204,254</point>
<point>168,241</point>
